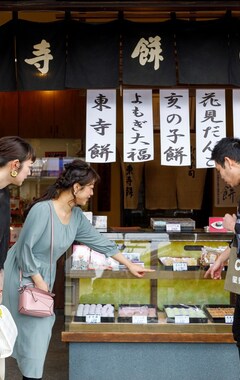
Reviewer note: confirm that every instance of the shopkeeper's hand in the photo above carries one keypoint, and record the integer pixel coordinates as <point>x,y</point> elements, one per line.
<point>138,270</point>
<point>215,271</point>
<point>229,222</point>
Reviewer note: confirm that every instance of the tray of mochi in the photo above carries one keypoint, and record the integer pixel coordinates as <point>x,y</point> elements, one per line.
<point>137,313</point>
<point>94,313</point>
<point>183,313</point>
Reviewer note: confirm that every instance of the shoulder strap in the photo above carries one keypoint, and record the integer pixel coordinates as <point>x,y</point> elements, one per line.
<point>51,250</point>
<point>51,246</point>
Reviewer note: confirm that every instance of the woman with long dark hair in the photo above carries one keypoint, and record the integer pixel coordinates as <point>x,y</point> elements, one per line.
<point>16,159</point>
<point>31,254</point>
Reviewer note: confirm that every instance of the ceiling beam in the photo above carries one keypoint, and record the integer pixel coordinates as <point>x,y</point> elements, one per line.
<point>162,5</point>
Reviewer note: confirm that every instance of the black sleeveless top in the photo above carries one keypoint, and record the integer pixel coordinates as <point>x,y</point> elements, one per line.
<point>4,224</point>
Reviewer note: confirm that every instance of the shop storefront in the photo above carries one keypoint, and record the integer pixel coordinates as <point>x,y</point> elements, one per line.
<point>169,107</point>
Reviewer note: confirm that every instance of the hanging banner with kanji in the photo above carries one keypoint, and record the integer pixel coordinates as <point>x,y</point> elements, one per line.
<point>224,194</point>
<point>93,55</point>
<point>101,126</point>
<point>202,51</point>
<point>236,112</point>
<point>7,61</point>
<point>148,54</point>
<point>210,124</point>
<point>174,128</point>
<point>137,126</point>
<point>41,55</point>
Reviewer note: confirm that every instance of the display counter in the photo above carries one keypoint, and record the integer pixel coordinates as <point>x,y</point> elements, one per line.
<point>143,342</point>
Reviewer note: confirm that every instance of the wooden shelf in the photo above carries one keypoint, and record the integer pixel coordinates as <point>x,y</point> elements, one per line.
<point>149,332</point>
<point>122,5</point>
<point>125,274</point>
<point>141,337</point>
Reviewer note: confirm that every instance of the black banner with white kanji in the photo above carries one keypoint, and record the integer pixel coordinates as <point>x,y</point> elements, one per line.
<point>148,54</point>
<point>41,55</point>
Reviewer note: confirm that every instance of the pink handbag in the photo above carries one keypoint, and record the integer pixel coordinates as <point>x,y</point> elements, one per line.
<point>34,301</point>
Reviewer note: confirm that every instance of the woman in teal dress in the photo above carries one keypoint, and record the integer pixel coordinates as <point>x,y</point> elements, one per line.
<point>31,254</point>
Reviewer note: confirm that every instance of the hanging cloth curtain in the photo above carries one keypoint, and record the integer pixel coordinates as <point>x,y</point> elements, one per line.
<point>93,55</point>
<point>202,51</point>
<point>234,49</point>
<point>41,55</point>
<point>148,54</point>
<point>7,61</point>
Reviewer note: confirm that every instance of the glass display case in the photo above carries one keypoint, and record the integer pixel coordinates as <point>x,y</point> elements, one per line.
<point>176,290</point>
<point>140,334</point>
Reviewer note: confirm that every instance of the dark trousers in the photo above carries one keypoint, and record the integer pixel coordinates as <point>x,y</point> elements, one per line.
<point>30,378</point>
<point>236,323</point>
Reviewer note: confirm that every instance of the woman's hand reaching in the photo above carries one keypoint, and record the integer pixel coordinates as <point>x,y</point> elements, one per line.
<point>138,270</point>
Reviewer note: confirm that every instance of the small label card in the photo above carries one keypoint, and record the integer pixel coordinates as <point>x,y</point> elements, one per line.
<point>182,319</point>
<point>178,267</point>
<point>229,319</point>
<point>173,227</point>
<point>93,318</point>
<point>139,319</point>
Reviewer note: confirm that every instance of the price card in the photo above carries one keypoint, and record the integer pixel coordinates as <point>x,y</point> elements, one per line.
<point>180,266</point>
<point>93,318</point>
<point>182,319</point>
<point>229,319</point>
<point>139,319</point>
<point>173,227</point>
